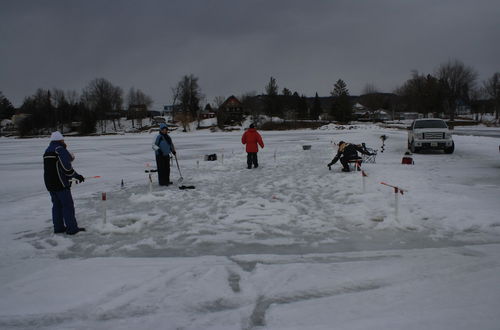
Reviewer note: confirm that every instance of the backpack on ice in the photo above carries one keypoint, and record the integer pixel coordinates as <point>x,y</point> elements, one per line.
<point>211,157</point>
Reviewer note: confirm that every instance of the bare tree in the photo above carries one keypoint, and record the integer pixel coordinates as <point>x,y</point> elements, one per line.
<point>370,88</point>
<point>176,95</point>
<point>421,93</point>
<point>492,89</point>
<point>272,87</point>
<point>100,96</point>
<point>457,80</point>
<point>189,94</point>
<point>138,97</point>
<point>138,105</point>
<point>218,100</point>
<point>273,104</point>
<point>371,97</point>
<point>72,97</point>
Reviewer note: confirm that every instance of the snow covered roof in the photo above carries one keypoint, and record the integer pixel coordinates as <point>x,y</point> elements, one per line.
<point>6,122</point>
<point>359,106</point>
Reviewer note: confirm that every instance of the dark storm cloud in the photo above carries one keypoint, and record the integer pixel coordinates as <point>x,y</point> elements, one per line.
<point>235,46</point>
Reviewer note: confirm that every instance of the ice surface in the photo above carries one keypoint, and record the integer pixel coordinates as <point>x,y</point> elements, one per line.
<point>289,245</point>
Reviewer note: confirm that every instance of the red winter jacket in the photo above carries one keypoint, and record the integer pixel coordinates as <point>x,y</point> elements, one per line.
<point>251,137</point>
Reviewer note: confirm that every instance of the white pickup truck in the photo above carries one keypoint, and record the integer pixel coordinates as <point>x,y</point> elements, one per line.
<point>430,134</point>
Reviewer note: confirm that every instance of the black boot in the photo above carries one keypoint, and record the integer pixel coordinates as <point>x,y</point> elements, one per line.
<point>79,229</point>
<point>60,231</point>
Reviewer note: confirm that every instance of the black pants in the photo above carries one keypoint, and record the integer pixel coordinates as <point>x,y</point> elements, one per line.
<point>163,166</point>
<point>252,159</point>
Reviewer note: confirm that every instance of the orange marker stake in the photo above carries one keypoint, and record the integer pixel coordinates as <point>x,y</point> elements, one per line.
<point>397,191</point>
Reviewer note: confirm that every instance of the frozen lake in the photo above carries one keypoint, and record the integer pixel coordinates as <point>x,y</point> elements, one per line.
<point>290,245</point>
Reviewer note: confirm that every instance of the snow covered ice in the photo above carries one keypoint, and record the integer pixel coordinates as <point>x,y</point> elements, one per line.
<point>290,245</point>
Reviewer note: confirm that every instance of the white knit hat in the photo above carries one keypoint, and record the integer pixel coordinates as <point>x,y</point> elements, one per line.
<point>56,136</point>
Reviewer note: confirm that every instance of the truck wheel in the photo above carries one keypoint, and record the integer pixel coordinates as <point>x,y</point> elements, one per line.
<point>450,149</point>
<point>413,149</point>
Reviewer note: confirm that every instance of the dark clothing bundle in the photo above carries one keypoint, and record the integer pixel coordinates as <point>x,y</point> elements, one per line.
<point>348,152</point>
<point>57,174</point>
<point>163,146</point>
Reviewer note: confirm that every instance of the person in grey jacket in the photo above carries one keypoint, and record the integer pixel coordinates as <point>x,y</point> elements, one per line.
<point>163,147</point>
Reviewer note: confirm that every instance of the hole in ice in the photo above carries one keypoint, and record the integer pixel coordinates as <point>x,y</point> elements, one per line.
<point>121,223</point>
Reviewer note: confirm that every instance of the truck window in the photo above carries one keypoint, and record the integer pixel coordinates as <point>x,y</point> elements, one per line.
<point>430,124</point>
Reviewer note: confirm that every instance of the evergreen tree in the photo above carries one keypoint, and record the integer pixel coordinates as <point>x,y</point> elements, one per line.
<point>302,108</point>
<point>341,107</point>
<point>316,109</point>
<point>286,92</point>
<point>273,105</point>
<point>340,88</point>
<point>6,108</point>
<point>40,113</point>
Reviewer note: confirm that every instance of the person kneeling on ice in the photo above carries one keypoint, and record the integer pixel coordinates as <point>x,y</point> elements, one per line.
<point>163,146</point>
<point>346,153</point>
<point>252,139</point>
<point>57,172</point>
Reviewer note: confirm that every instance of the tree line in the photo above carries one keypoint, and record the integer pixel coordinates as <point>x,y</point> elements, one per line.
<point>47,110</point>
<point>453,83</point>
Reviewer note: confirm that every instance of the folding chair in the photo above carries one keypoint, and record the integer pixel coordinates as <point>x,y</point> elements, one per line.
<point>369,158</point>
<point>355,164</point>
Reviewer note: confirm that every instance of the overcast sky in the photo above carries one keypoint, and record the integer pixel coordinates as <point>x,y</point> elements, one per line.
<point>235,46</point>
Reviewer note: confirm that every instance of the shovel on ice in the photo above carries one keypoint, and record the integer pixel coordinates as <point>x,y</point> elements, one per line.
<point>181,178</point>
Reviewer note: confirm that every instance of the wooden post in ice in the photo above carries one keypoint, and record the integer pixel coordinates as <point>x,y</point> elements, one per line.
<point>396,203</point>
<point>149,170</point>
<point>397,191</point>
<point>222,156</point>
<point>104,207</point>
<point>363,176</point>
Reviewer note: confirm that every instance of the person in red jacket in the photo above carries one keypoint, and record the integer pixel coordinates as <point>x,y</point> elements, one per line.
<point>252,139</point>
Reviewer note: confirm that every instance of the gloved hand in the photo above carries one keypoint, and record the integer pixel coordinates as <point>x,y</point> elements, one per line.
<point>174,153</point>
<point>79,178</point>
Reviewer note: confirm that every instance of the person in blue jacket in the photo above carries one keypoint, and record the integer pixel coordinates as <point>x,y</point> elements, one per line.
<point>163,147</point>
<point>57,172</point>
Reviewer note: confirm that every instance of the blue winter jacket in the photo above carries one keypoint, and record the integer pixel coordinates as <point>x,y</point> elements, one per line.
<point>163,145</point>
<point>57,167</point>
